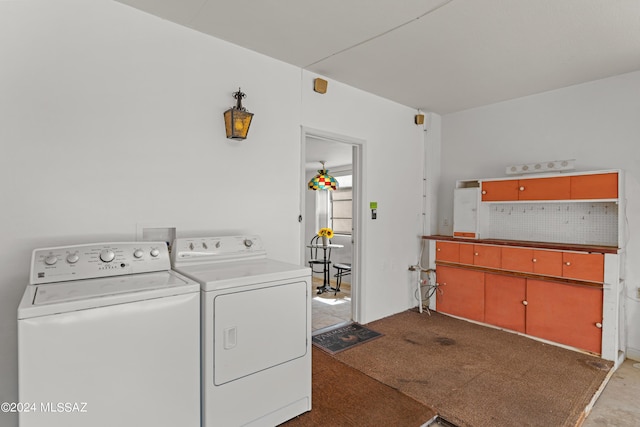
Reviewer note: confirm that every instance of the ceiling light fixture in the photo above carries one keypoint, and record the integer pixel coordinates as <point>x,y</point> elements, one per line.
<point>237,119</point>
<point>323,181</point>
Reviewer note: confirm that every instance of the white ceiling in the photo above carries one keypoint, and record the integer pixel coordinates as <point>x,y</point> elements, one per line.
<point>441,56</point>
<point>334,154</point>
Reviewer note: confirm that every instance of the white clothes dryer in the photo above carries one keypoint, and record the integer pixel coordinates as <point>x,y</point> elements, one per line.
<point>256,331</point>
<point>108,335</point>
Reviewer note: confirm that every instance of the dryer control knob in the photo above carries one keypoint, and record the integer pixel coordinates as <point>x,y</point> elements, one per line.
<point>72,258</point>
<point>107,255</point>
<point>248,243</point>
<point>138,253</point>
<point>154,252</point>
<point>51,259</point>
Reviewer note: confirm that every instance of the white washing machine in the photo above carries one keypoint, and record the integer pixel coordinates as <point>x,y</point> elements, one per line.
<point>108,335</point>
<point>256,331</point>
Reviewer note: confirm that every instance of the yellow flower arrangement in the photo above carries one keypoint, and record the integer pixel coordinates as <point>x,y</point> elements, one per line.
<point>326,232</point>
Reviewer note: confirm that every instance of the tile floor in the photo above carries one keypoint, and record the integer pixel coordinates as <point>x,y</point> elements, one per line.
<point>329,309</point>
<point>619,403</point>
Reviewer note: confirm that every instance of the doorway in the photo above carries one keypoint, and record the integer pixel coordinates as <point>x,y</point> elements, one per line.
<point>343,158</point>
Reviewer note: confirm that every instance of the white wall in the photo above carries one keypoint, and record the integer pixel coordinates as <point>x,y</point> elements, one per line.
<point>111,118</point>
<point>596,123</point>
<point>393,163</point>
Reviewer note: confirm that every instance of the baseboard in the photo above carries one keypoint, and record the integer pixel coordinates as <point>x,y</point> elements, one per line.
<point>633,354</point>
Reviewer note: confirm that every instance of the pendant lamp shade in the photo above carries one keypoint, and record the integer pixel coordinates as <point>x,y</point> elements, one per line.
<point>323,181</point>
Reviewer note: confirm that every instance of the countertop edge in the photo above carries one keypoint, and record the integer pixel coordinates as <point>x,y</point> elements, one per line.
<point>529,244</point>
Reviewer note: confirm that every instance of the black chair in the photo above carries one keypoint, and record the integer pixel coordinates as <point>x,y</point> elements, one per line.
<point>343,270</point>
<point>320,255</point>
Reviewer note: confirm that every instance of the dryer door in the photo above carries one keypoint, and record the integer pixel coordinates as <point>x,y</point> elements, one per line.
<point>257,329</point>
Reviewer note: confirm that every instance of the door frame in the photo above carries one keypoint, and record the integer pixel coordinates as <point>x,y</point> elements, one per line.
<point>358,155</point>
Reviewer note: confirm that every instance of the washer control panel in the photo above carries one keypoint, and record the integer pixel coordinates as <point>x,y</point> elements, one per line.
<point>216,249</point>
<point>64,263</point>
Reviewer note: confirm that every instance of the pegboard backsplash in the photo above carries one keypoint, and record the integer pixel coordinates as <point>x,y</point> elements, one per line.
<point>588,223</point>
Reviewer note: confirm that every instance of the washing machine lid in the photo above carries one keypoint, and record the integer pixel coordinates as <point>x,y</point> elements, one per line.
<point>233,274</point>
<point>51,298</point>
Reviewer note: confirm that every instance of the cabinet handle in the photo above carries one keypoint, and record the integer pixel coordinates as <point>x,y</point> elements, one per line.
<point>484,191</point>
<point>525,303</point>
<point>476,254</point>
<point>599,325</point>
<point>567,263</point>
<point>534,260</point>
<point>521,188</point>
<point>438,249</point>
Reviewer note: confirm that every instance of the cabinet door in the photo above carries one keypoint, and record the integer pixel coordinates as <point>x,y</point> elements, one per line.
<point>517,259</point>
<point>583,266</point>
<point>466,253</point>
<point>447,251</point>
<point>486,256</point>
<point>597,186</point>
<point>565,314</point>
<point>500,190</point>
<point>462,292</point>
<point>504,303</point>
<point>557,188</point>
<point>548,263</point>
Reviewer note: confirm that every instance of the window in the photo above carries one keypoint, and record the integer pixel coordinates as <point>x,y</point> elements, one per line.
<point>342,206</point>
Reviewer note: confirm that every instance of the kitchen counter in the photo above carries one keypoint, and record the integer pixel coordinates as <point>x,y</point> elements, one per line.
<point>529,244</point>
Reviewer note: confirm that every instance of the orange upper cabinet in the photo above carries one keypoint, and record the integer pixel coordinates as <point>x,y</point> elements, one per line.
<point>596,186</point>
<point>499,190</point>
<point>556,188</point>
<point>583,266</point>
<point>575,187</point>
<point>447,251</point>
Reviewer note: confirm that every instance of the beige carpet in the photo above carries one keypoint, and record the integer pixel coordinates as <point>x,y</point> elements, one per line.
<point>477,376</point>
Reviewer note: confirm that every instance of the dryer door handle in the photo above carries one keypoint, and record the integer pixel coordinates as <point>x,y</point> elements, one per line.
<point>230,337</point>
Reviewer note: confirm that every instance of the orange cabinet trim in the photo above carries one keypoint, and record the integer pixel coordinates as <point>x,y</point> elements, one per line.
<point>464,234</point>
<point>563,280</point>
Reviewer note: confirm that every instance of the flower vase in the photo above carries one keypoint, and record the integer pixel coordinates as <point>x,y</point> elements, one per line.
<point>325,241</point>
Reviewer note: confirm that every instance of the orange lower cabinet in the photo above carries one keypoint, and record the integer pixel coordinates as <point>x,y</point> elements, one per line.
<point>487,256</point>
<point>517,259</point>
<point>461,292</point>
<point>565,314</point>
<point>583,266</point>
<point>548,263</point>
<point>505,301</point>
<point>447,251</point>
<point>466,253</point>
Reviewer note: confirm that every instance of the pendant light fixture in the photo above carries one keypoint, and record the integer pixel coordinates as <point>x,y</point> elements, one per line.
<point>237,119</point>
<point>323,181</point>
